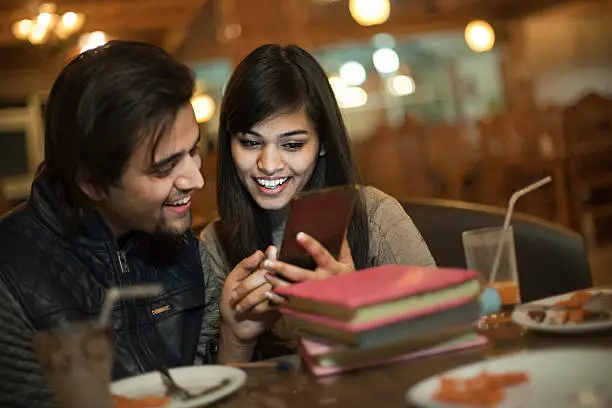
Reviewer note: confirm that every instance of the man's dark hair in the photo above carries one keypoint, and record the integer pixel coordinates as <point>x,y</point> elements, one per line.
<point>102,105</point>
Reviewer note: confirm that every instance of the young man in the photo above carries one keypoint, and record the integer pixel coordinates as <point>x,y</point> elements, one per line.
<point>109,207</point>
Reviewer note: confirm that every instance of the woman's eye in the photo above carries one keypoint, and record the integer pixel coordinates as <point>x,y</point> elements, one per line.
<point>249,143</point>
<point>294,145</point>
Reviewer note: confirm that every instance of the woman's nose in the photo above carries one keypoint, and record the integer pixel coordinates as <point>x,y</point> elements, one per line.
<point>270,160</point>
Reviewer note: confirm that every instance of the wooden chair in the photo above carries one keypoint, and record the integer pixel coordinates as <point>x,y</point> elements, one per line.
<point>588,136</point>
<point>391,161</point>
<point>5,205</point>
<point>450,156</point>
<point>518,148</point>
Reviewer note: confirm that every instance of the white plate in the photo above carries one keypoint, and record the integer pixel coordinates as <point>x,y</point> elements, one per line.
<point>560,378</point>
<point>193,378</point>
<point>520,317</point>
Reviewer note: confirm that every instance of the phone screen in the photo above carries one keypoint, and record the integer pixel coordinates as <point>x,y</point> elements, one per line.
<point>324,215</point>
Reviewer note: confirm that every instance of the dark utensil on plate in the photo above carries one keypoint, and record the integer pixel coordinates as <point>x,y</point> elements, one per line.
<point>173,390</point>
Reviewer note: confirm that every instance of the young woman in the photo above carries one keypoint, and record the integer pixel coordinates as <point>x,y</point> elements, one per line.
<point>281,132</point>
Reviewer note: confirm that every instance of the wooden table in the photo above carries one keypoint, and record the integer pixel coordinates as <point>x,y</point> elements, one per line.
<point>385,386</point>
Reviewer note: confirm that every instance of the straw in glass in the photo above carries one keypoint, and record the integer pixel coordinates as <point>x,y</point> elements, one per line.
<point>502,236</point>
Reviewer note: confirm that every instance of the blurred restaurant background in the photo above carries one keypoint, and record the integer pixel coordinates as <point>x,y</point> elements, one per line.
<point>460,100</point>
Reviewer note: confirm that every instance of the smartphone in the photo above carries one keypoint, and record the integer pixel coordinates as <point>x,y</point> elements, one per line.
<point>324,215</point>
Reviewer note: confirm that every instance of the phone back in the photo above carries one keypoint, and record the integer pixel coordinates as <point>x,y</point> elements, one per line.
<point>324,215</point>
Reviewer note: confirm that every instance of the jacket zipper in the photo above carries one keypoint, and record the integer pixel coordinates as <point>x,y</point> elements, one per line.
<point>124,268</point>
<point>123,264</point>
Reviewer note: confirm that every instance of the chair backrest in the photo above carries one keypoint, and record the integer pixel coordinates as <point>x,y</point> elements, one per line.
<point>4,202</point>
<point>551,259</point>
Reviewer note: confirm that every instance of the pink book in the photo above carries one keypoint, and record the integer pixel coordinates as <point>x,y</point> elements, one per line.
<point>464,309</point>
<point>377,333</point>
<point>319,347</point>
<point>319,370</point>
<point>346,297</point>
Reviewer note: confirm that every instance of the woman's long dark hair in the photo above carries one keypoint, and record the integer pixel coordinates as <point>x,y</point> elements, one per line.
<point>272,80</point>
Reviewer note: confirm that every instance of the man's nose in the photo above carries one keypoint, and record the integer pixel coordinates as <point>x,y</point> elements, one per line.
<point>191,179</point>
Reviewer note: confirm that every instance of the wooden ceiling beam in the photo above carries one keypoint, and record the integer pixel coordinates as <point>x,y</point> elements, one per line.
<point>26,56</point>
<point>523,8</point>
<point>320,26</point>
<point>405,22</point>
<point>321,33</point>
<point>110,16</point>
<point>104,7</point>
<point>175,37</point>
<point>114,26</point>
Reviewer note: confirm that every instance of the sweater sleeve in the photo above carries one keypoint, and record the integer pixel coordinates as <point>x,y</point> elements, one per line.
<point>215,272</point>
<point>23,381</point>
<point>394,239</point>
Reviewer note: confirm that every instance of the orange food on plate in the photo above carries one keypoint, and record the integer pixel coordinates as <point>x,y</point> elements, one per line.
<point>576,316</point>
<point>483,389</point>
<point>150,401</point>
<point>577,299</point>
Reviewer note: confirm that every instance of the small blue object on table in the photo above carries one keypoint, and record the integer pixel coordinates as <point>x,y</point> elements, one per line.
<point>490,302</point>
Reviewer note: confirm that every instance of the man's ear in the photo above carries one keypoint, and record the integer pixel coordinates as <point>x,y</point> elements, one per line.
<point>92,192</point>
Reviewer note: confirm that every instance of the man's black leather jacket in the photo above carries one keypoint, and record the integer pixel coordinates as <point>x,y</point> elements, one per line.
<point>48,277</point>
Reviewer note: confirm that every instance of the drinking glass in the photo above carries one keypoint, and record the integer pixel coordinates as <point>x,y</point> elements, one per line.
<point>480,247</point>
<point>77,360</point>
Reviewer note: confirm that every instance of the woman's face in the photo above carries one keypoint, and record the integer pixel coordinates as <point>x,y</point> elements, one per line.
<point>276,158</point>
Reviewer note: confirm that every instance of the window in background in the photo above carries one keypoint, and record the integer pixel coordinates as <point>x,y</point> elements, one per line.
<point>21,146</point>
<point>212,76</point>
<point>433,77</point>
<point>14,156</point>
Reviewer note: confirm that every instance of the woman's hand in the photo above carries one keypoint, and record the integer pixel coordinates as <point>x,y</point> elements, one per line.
<point>255,294</point>
<point>327,266</point>
<point>242,326</point>
<point>247,302</point>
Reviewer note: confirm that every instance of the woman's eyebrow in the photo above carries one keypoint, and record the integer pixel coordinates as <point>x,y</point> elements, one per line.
<point>284,134</point>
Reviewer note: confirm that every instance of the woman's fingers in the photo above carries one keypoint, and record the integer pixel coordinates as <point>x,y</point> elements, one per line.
<point>246,266</point>
<point>271,253</point>
<point>319,254</point>
<point>249,284</point>
<point>345,254</point>
<point>274,298</point>
<point>290,272</point>
<point>276,281</point>
<point>254,298</point>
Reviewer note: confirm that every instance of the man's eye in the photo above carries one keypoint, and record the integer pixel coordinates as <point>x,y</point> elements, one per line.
<point>195,150</point>
<point>164,170</point>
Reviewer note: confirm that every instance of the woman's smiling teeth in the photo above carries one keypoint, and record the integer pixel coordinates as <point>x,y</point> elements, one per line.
<point>180,202</point>
<point>271,184</point>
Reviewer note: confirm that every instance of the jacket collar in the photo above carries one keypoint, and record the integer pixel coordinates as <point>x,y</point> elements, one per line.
<point>49,210</point>
<point>95,234</point>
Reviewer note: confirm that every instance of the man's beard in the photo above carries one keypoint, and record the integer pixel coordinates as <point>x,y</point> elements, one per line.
<point>167,242</point>
<point>163,230</point>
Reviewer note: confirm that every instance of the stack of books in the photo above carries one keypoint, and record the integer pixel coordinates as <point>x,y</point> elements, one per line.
<point>382,315</point>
